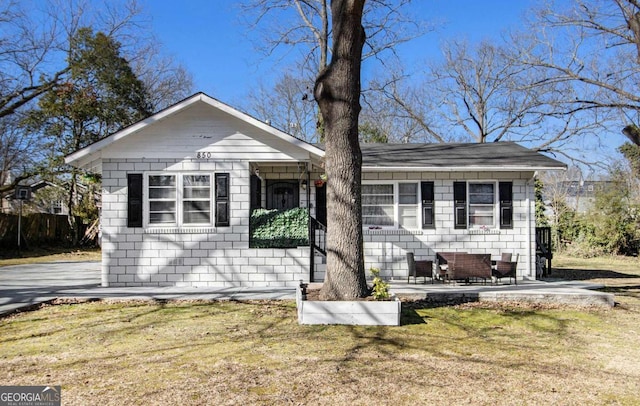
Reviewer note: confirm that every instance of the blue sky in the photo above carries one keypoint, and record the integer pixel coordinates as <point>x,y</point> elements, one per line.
<point>209,38</point>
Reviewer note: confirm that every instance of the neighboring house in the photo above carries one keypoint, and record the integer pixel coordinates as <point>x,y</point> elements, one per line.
<point>179,186</point>
<point>44,197</point>
<point>581,195</point>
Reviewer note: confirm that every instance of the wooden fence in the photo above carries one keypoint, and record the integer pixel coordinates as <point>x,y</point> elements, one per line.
<point>37,229</point>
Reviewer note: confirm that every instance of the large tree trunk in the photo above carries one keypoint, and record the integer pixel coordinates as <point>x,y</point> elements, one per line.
<point>337,91</point>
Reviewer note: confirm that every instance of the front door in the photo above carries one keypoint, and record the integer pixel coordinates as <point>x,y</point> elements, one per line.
<point>282,194</point>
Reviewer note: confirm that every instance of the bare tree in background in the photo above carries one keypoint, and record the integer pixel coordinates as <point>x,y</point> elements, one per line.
<point>306,35</point>
<point>34,40</point>
<point>482,94</point>
<point>25,48</point>
<point>593,47</point>
<point>284,108</point>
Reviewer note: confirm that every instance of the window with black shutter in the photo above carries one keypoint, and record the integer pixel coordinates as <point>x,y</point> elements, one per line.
<point>222,200</point>
<point>134,200</point>
<point>460,204</point>
<point>428,212</point>
<point>506,204</point>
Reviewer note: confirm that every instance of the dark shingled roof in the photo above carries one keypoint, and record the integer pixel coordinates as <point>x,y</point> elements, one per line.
<point>495,155</point>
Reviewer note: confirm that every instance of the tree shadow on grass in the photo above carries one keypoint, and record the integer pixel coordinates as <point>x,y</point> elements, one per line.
<point>586,274</point>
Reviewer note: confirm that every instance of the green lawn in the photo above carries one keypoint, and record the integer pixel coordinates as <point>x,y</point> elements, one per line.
<point>256,353</point>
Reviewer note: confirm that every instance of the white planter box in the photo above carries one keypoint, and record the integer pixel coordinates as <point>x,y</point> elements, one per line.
<point>356,312</point>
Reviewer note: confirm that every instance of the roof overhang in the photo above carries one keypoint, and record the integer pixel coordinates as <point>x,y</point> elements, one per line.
<point>522,168</point>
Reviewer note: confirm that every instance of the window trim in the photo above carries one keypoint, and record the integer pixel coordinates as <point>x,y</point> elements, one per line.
<point>179,199</point>
<point>396,204</point>
<point>495,205</point>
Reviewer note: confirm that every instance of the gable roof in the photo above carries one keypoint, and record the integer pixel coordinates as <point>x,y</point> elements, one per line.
<point>495,156</point>
<point>92,152</point>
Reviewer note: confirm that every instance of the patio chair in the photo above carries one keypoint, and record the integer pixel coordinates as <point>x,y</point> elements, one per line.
<point>506,268</point>
<point>419,268</point>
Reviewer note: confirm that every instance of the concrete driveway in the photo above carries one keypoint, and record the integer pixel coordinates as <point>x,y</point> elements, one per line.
<point>22,286</point>
<point>26,285</point>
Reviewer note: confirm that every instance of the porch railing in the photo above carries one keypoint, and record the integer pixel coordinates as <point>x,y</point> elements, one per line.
<point>543,247</point>
<point>317,242</point>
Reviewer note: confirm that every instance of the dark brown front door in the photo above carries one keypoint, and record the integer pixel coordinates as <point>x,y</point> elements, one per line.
<point>282,194</point>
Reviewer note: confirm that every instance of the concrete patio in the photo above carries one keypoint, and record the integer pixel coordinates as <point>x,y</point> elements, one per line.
<point>24,286</point>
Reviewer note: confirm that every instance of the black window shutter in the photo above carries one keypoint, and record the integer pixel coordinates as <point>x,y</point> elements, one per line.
<point>134,200</point>
<point>256,192</point>
<point>460,204</point>
<point>222,200</point>
<point>506,204</point>
<point>428,213</point>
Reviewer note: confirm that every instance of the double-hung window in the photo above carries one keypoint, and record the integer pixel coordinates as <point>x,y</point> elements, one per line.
<point>179,199</point>
<point>408,205</point>
<point>390,205</point>
<point>482,203</point>
<point>162,199</point>
<point>378,205</point>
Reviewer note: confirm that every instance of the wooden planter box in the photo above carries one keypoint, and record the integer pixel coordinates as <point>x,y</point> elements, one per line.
<point>349,312</point>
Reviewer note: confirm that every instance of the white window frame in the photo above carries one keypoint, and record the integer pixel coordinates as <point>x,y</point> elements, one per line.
<point>494,205</point>
<point>396,203</point>
<point>179,199</point>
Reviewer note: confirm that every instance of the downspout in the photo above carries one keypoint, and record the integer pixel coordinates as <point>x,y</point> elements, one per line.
<point>530,251</point>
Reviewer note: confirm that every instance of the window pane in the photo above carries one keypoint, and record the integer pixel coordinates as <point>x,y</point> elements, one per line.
<point>162,180</point>
<point>162,206</point>
<point>196,204</point>
<point>197,180</point>
<point>197,218</point>
<point>481,215</point>
<point>197,193</point>
<point>377,215</point>
<point>377,205</point>
<point>162,193</point>
<point>376,199</point>
<point>377,189</point>
<point>408,216</point>
<point>156,218</point>
<point>481,193</point>
<point>408,193</point>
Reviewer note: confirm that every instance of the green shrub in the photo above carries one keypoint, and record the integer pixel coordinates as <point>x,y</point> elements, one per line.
<point>380,290</point>
<point>279,229</point>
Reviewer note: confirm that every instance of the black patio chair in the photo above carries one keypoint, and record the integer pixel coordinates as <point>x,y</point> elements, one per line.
<point>422,268</point>
<point>506,268</point>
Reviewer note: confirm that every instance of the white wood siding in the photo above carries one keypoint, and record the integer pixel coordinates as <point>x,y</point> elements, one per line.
<point>202,129</point>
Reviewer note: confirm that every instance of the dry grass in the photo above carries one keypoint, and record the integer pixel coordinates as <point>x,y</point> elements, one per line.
<point>255,353</point>
<point>620,275</point>
<point>232,353</point>
<point>40,255</point>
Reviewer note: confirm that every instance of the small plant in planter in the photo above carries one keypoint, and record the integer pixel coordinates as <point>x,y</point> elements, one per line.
<point>380,289</point>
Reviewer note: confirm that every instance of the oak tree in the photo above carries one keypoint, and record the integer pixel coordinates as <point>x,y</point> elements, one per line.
<point>337,91</point>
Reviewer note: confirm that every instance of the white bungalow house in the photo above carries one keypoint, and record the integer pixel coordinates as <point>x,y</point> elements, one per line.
<point>179,186</point>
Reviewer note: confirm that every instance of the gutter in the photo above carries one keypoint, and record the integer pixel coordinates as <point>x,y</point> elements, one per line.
<point>460,168</point>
